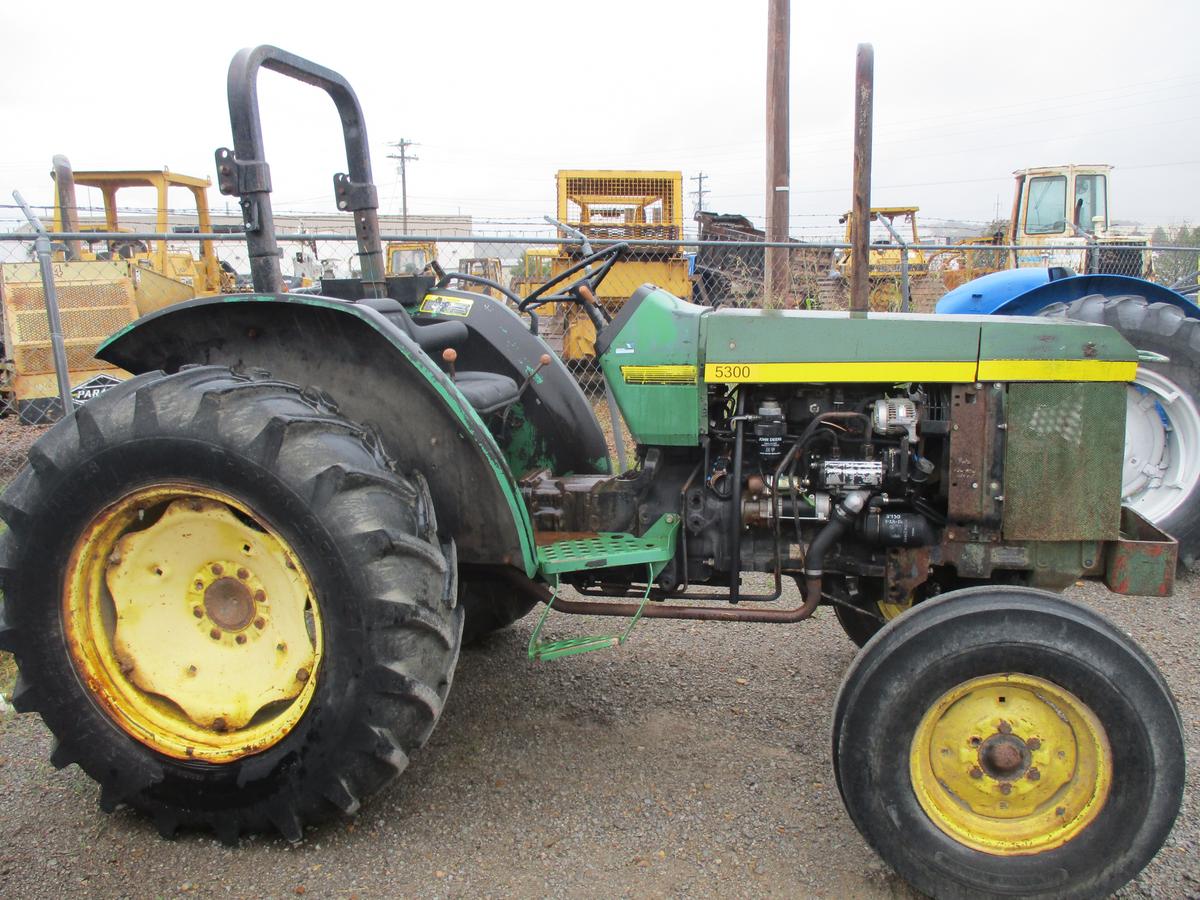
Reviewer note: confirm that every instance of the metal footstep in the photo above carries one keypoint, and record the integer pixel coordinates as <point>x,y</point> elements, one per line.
<point>604,550</point>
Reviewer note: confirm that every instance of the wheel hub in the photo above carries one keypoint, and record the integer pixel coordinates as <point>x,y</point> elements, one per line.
<point>1004,756</point>
<point>193,624</point>
<point>228,603</point>
<point>1010,764</point>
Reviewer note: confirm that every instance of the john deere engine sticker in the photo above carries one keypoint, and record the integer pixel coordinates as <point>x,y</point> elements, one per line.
<point>93,388</point>
<point>441,305</point>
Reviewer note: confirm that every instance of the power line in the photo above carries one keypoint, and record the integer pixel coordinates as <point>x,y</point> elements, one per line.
<point>403,144</point>
<point>700,191</point>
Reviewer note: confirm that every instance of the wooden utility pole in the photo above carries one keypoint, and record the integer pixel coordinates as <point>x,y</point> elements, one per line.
<point>776,268</point>
<point>402,145</point>
<point>860,225</point>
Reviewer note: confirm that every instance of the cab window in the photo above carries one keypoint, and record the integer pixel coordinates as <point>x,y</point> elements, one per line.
<point>408,262</point>
<point>1046,212</point>
<point>1091,201</point>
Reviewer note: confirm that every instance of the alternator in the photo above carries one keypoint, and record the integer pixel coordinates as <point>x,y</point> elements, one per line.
<point>894,416</point>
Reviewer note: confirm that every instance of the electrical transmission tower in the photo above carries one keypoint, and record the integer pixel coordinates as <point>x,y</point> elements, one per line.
<point>700,191</point>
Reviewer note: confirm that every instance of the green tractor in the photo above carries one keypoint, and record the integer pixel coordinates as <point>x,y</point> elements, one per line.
<point>237,584</point>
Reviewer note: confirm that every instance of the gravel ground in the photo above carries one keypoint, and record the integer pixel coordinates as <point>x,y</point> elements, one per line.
<point>692,762</point>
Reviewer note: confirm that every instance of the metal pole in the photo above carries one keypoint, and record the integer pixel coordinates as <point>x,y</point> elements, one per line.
<point>860,232</point>
<point>776,260</point>
<point>41,246</point>
<point>905,296</point>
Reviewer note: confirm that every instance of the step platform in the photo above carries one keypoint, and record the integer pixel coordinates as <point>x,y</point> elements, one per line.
<point>601,550</point>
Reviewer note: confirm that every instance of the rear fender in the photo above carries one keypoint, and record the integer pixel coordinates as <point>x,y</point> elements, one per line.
<point>379,377</point>
<point>1026,292</point>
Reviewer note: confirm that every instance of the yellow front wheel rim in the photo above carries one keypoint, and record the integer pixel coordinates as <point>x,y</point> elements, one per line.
<point>192,623</point>
<point>1010,764</point>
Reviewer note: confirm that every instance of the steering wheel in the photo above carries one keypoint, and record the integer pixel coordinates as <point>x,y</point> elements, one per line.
<point>581,290</point>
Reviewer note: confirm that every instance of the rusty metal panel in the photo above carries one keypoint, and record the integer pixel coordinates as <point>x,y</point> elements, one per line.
<point>1142,561</point>
<point>976,446</point>
<point>1063,461</point>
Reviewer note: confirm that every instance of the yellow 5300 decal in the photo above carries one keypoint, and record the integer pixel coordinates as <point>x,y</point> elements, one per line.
<point>927,371</point>
<point>766,373</point>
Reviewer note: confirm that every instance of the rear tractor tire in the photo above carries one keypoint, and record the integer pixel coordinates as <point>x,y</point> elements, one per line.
<point>1161,475</point>
<point>225,602</point>
<point>1005,742</point>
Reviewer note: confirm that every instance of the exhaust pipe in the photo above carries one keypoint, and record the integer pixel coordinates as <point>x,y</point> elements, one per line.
<point>64,186</point>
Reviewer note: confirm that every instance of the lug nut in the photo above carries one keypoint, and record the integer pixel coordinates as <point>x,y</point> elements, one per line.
<point>976,772</point>
<point>260,596</point>
<point>198,612</point>
<point>975,742</point>
<point>260,623</point>
<point>216,569</point>
<point>215,634</point>
<point>241,639</point>
<point>243,574</point>
<point>1005,788</point>
<point>1004,727</point>
<point>219,724</point>
<point>1033,743</point>
<point>199,585</point>
<point>1033,774</point>
<point>302,675</point>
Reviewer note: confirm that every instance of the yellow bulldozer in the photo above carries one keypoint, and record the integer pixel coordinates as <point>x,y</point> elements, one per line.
<point>609,205</point>
<point>102,286</point>
<point>886,263</point>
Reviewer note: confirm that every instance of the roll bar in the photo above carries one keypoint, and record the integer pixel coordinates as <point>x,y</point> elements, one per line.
<point>243,172</point>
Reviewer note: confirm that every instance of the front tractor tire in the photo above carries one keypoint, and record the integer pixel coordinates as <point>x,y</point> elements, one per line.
<point>1004,742</point>
<point>225,602</point>
<point>1161,474</point>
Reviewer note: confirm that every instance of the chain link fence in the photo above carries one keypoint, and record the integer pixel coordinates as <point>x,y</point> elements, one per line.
<point>104,281</point>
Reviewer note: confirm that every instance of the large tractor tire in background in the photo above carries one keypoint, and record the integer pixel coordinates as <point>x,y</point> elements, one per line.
<point>1161,476</point>
<point>226,603</point>
<point>1004,742</point>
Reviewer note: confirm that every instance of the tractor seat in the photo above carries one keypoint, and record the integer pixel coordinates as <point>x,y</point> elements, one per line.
<point>487,391</point>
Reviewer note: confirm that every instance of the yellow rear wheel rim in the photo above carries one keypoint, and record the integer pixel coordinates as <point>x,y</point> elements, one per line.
<point>192,623</point>
<point>1011,764</point>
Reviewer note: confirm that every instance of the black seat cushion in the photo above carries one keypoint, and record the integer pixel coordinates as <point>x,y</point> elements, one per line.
<point>486,391</point>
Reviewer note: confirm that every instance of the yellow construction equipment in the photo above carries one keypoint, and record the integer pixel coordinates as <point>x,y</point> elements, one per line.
<point>885,263</point>
<point>617,205</point>
<point>533,270</point>
<point>1054,207</point>
<point>102,286</point>
<point>488,267</point>
<point>410,257</point>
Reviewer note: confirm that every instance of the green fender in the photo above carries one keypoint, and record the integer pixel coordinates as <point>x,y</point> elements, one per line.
<point>378,376</point>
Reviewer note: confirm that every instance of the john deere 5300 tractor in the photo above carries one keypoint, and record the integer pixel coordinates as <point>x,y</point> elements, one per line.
<point>237,584</point>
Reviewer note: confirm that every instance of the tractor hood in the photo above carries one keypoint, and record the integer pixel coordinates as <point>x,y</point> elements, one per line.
<point>660,351</point>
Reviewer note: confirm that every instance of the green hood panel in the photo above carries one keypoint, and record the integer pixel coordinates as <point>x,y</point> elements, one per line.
<point>800,346</point>
<point>664,350</point>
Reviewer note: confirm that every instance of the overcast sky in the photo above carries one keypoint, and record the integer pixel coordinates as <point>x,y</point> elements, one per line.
<point>498,96</point>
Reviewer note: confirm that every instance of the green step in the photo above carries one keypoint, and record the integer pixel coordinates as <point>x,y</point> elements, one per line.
<point>606,549</point>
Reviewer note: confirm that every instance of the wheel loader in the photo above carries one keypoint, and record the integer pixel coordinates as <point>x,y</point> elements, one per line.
<point>236,585</point>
